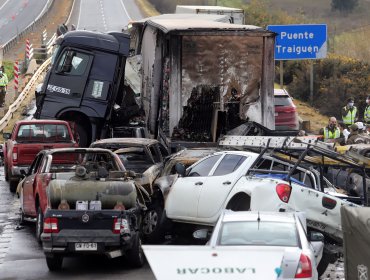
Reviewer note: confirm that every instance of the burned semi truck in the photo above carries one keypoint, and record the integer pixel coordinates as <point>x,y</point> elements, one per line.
<point>200,78</point>
<point>193,79</point>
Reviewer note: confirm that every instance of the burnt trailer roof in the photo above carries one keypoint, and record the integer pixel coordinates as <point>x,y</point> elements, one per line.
<point>116,42</point>
<point>172,25</point>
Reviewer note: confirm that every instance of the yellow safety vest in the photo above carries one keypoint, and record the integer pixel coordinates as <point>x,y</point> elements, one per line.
<point>367,114</point>
<point>4,80</point>
<point>328,134</point>
<point>350,117</point>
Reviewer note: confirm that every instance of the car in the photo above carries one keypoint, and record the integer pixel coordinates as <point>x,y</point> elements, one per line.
<point>57,169</point>
<point>248,230</point>
<point>141,155</point>
<point>286,116</point>
<point>153,228</point>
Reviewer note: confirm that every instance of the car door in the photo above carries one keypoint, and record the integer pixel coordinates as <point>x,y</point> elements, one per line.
<point>27,191</point>
<point>182,200</point>
<point>217,187</point>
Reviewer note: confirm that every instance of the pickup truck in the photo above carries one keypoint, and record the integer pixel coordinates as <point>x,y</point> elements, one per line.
<point>84,202</point>
<point>27,139</point>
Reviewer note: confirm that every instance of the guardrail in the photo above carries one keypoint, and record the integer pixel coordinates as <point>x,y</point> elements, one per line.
<point>12,108</point>
<point>8,45</point>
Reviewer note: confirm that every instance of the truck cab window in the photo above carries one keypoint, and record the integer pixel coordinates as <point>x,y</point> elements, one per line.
<point>73,63</point>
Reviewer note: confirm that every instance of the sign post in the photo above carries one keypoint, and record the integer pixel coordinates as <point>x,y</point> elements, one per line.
<point>302,41</point>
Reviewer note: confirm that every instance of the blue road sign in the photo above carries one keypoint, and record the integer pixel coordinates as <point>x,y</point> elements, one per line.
<point>302,41</point>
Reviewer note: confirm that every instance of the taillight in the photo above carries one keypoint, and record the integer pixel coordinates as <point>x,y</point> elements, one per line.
<point>120,226</point>
<point>15,154</point>
<point>304,269</point>
<point>283,191</point>
<point>51,225</point>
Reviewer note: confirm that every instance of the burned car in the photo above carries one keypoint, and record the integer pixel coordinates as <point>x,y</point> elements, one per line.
<point>83,202</point>
<point>142,155</point>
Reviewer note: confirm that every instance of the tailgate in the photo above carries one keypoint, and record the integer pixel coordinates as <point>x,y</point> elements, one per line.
<point>204,262</point>
<point>28,151</point>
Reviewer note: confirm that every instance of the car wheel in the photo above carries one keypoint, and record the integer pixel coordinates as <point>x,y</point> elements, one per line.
<point>135,256</point>
<point>153,224</point>
<point>21,217</point>
<point>13,184</point>
<point>6,173</point>
<point>39,224</point>
<point>54,262</point>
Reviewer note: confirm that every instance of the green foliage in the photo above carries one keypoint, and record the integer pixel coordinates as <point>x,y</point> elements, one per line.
<point>344,5</point>
<point>335,79</point>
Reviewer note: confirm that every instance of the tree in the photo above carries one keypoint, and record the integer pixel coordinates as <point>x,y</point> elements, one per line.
<point>344,5</point>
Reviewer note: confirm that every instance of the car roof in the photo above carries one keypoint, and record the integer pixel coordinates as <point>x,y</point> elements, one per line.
<point>244,153</point>
<point>280,92</point>
<point>77,150</point>
<point>129,141</point>
<point>285,217</point>
<point>41,122</point>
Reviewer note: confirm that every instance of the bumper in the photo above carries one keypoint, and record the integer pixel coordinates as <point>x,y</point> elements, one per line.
<point>16,170</point>
<point>108,243</point>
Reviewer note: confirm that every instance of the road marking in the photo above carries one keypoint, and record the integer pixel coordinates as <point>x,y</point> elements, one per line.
<point>4,4</point>
<point>79,16</point>
<point>124,8</point>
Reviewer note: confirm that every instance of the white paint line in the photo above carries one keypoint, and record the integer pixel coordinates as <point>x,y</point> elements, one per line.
<point>79,16</point>
<point>4,4</point>
<point>124,8</point>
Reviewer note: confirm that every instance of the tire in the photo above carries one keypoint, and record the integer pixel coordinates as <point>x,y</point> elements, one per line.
<point>153,228</point>
<point>21,217</point>
<point>81,136</point>
<point>135,256</point>
<point>39,224</point>
<point>13,184</point>
<point>54,262</point>
<point>6,173</point>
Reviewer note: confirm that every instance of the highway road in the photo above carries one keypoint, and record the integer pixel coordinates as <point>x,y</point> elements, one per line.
<point>16,15</point>
<point>105,15</point>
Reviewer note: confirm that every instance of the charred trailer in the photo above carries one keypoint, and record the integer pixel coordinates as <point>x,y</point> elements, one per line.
<point>202,78</point>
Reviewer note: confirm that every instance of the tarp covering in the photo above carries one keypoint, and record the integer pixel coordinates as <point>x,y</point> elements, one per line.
<point>356,237</point>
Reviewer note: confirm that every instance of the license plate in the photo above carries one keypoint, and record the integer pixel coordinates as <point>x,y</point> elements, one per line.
<point>86,246</point>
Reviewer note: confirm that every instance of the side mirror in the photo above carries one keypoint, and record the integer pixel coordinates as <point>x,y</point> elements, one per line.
<point>180,169</point>
<point>6,135</point>
<point>202,234</point>
<point>316,236</point>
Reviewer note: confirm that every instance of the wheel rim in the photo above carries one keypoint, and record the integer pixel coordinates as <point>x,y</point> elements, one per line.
<point>38,226</point>
<point>150,222</point>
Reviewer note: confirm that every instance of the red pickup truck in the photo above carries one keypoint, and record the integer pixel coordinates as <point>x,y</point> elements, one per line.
<point>27,139</point>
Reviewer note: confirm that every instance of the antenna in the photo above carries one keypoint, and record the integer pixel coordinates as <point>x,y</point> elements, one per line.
<point>258,219</point>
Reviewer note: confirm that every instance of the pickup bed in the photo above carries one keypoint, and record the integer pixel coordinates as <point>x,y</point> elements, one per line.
<point>27,139</point>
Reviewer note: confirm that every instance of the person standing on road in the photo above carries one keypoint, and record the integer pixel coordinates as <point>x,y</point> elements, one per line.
<point>367,111</point>
<point>3,85</point>
<point>331,132</point>
<point>349,112</point>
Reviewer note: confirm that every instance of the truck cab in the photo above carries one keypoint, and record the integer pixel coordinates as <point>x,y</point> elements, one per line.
<point>84,82</point>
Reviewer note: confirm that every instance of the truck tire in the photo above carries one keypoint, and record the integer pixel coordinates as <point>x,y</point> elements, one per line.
<point>81,136</point>
<point>13,184</point>
<point>54,262</point>
<point>39,224</point>
<point>135,256</point>
<point>153,224</point>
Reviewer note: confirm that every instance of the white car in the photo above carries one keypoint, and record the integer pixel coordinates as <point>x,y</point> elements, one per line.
<point>270,231</point>
<point>240,180</point>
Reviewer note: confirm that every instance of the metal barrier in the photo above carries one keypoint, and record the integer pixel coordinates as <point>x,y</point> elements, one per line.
<point>8,45</point>
<point>12,108</point>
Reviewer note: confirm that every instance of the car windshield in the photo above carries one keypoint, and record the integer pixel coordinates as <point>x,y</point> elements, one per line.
<point>92,161</point>
<point>283,101</point>
<point>256,233</point>
<point>135,159</point>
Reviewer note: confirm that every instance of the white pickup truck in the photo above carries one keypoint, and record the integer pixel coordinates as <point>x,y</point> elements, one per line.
<point>241,180</point>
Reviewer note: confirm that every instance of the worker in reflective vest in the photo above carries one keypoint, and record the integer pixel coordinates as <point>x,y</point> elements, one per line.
<point>367,111</point>
<point>3,85</point>
<point>349,112</point>
<point>331,132</point>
